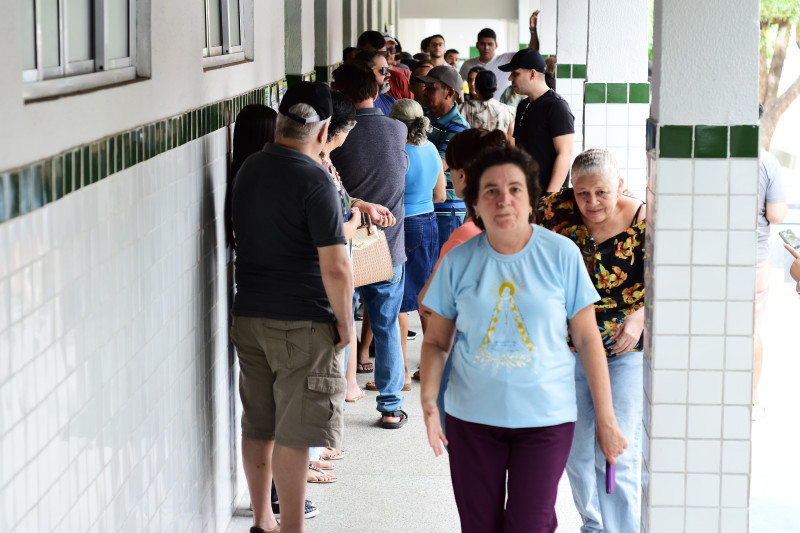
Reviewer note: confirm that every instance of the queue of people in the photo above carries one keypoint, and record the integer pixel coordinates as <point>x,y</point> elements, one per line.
<point>530,294</point>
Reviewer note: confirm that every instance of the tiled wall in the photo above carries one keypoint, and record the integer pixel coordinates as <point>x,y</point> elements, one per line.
<point>117,398</point>
<point>569,84</point>
<point>702,197</point>
<point>615,118</point>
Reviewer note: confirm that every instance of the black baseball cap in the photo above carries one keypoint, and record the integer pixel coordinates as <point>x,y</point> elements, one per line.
<point>315,94</point>
<point>528,59</point>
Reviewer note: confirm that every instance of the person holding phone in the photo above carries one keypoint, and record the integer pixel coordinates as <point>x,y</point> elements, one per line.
<point>794,270</point>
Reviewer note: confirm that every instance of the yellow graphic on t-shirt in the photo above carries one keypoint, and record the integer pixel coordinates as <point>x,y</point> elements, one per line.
<point>509,353</point>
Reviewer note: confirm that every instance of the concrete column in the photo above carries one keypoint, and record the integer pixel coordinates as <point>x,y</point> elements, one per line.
<point>616,93</point>
<point>349,15</point>
<point>702,187</point>
<point>329,28</point>
<point>361,22</point>
<point>571,43</point>
<point>300,29</point>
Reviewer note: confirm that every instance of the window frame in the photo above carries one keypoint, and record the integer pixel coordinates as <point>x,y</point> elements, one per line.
<point>68,77</point>
<point>214,56</point>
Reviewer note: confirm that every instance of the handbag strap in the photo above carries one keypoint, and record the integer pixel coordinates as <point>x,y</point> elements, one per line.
<point>366,220</point>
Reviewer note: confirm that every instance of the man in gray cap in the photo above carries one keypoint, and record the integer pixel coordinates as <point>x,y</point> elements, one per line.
<point>443,88</point>
<point>292,313</point>
<point>544,126</point>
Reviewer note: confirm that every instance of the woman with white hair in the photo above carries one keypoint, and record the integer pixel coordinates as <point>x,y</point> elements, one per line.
<point>608,227</point>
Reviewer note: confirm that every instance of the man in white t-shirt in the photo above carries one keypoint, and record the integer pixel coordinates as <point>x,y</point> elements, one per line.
<point>487,46</point>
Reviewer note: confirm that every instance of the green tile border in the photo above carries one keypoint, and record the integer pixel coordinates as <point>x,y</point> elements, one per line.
<point>570,70</point>
<point>32,186</point>
<point>615,93</point>
<point>703,141</point>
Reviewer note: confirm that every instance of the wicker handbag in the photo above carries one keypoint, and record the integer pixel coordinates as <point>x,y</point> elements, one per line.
<point>372,261</point>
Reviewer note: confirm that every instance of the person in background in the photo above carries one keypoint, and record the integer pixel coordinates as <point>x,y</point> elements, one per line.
<point>374,41</point>
<point>470,81</point>
<point>502,302</point>
<point>443,86</point>
<point>417,87</point>
<point>436,50</point>
<point>483,111</point>
<point>608,228</point>
<point>451,57</point>
<point>349,53</point>
<point>772,209</point>
<point>377,62</point>
<point>425,185</point>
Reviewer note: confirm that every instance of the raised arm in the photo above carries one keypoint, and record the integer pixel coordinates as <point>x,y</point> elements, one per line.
<point>534,21</point>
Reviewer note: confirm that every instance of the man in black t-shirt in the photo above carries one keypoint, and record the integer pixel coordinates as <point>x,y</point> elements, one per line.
<point>292,310</point>
<point>544,126</point>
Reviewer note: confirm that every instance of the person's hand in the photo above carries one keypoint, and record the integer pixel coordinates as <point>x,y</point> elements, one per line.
<point>534,19</point>
<point>794,270</point>
<point>355,212</point>
<point>379,214</point>
<point>629,333</point>
<point>611,440</point>
<point>433,425</point>
<point>345,332</point>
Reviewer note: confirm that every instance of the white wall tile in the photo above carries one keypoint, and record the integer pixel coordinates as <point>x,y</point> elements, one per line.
<point>617,136</point>
<point>594,114</point>
<point>671,351</point>
<point>705,386</point>
<point>674,176</point>
<point>617,114</point>
<point>742,248</point>
<point>736,457</point>
<point>705,422</point>
<point>638,114</point>
<point>668,455</point>
<point>708,318</point>
<point>736,422</point>
<point>669,386</point>
<point>703,455</point>
<point>637,136</point>
<point>708,283</point>
<point>742,212</point>
<point>671,318</point>
<point>744,176</point>
<point>711,176</point>
<point>735,491</point>
<point>741,283</point>
<point>709,247</point>
<point>738,388</point>
<point>707,352</point>
<point>738,353</point>
<point>637,159</point>
<point>620,152</point>
<point>669,421</point>
<point>710,212</point>
<point>594,136</point>
<point>733,521</point>
<point>666,519</point>
<point>673,212</point>
<point>739,318</point>
<point>667,488</point>
<point>701,520</point>
<point>671,282</point>
<point>673,247</point>
<point>702,490</point>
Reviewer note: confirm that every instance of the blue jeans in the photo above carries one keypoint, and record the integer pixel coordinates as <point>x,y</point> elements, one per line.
<point>422,251</point>
<point>449,216</point>
<point>619,511</point>
<point>382,301</point>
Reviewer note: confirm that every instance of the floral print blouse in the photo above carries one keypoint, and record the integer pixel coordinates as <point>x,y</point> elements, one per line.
<point>616,265</point>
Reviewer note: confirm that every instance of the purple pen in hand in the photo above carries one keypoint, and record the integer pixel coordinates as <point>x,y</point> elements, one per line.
<point>611,484</point>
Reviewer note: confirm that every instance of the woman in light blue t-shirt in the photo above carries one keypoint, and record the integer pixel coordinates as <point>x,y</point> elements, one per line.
<point>502,302</point>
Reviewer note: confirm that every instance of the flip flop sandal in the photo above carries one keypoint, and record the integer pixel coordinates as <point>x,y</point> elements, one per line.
<point>365,368</point>
<point>415,375</point>
<point>331,454</point>
<point>320,471</point>
<point>356,398</point>
<point>318,465</point>
<point>394,425</point>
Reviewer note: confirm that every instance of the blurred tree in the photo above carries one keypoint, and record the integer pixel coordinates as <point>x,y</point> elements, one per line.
<point>778,19</point>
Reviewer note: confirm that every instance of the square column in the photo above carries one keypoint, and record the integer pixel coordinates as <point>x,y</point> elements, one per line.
<point>702,190</point>
<point>616,94</point>
<point>329,27</point>
<point>299,26</point>
<point>573,25</point>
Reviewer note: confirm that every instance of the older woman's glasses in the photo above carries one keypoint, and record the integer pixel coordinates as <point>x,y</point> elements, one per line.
<point>588,251</point>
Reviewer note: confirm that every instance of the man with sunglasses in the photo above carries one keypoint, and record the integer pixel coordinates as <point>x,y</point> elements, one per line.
<point>380,67</point>
<point>399,78</point>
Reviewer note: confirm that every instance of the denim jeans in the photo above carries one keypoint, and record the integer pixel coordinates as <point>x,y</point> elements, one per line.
<point>422,251</point>
<point>619,511</point>
<point>449,217</point>
<point>382,301</point>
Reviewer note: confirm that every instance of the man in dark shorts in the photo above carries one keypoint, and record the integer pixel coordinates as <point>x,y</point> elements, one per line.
<point>291,312</point>
<point>544,126</point>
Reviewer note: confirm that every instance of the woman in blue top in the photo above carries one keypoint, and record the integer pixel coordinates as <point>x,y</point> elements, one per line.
<point>503,301</point>
<point>425,184</point>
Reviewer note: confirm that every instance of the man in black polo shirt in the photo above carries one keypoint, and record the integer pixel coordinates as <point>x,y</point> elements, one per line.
<point>291,313</point>
<point>544,126</point>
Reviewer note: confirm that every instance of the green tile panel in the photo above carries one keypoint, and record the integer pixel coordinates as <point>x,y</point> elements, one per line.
<point>615,93</point>
<point>594,93</point>
<point>570,70</point>
<point>24,189</point>
<point>703,141</point>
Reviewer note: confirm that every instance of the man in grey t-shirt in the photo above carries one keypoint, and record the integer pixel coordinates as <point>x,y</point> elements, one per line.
<point>771,210</point>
